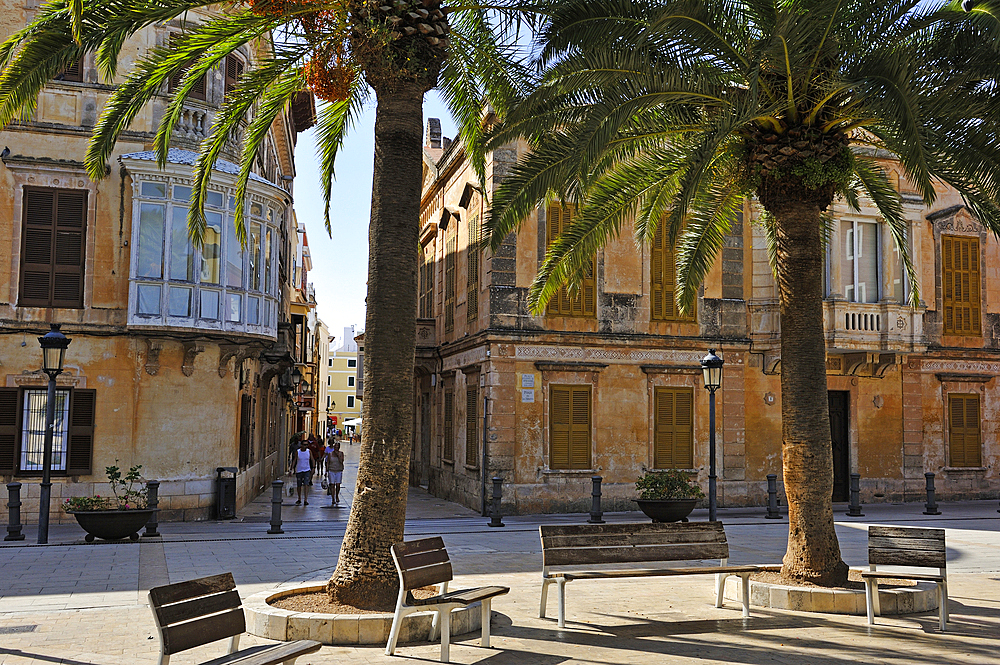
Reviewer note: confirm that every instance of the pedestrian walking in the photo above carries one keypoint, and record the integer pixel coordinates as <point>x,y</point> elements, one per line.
<point>334,472</point>
<point>304,465</point>
<point>316,448</point>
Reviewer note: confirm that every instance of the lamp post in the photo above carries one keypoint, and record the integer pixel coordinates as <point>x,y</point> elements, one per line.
<point>53,345</point>
<point>711,368</point>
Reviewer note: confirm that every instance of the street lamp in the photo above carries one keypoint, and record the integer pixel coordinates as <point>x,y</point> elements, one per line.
<point>711,368</point>
<point>296,378</point>
<point>54,345</point>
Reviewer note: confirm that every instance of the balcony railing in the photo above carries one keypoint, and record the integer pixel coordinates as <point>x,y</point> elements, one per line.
<point>873,327</point>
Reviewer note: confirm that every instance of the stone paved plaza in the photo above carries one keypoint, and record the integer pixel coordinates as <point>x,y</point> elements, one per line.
<point>76,603</point>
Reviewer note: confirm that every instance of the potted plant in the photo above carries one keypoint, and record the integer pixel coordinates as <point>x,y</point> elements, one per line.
<point>113,517</point>
<point>667,496</point>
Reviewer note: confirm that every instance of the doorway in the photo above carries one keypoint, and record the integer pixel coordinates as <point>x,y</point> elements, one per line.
<point>840,439</point>
<point>425,440</point>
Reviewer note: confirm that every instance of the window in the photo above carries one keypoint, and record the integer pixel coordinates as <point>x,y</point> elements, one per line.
<point>350,382</point>
<point>246,431</point>
<point>329,362</point>
<point>353,362</point>
<point>350,401</point>
<point>22,431</point>
<point>472,426</point>
<point>859,262</point>
<point>964,442</point>
<point>451,247</point>
<point>197,90</point>
<point>328,399</point>
<point>672,428</point>
<point>448,454</point>
<point>472,299</point>
<point>569,427</point>
<point>72,73</point>
<point>663,280</point>
<point>960,285</point>
<point>53,248</point>
<point>581,304</point>
<point>427,284</point>
<point>329,380</point>
<point>234,70</point>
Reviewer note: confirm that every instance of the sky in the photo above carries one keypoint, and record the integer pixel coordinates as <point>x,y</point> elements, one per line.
<point>340,259</point>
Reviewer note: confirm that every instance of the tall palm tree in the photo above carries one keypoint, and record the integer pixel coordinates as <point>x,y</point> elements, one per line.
<point>343,51</point>
<point>674,112</point>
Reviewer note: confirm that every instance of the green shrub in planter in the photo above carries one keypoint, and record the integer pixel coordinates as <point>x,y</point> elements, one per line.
<point>670,484</point>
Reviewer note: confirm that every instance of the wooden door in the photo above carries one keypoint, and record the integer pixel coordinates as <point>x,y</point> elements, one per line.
<point>839,436</point>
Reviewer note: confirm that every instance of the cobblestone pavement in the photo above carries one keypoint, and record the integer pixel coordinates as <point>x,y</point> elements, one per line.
<point>78,603</point>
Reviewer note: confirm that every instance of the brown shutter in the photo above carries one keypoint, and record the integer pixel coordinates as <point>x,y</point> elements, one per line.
<point>672,428</point>
<point>82,411</point>
<point>197,90</point>
<point>964,440</point>
<point>472,426</point>
<point>559,427</point>
<point>245,430</point>
<point>472,298</point>
<point>657,287</point>
<point>449,426</point>
<point>54,248</point>
<point>9,431</point>
<point>72,73</point>
<point>234,70</point>
<point>451,247</point>
<point>960,280</point>
<point>579,456</point>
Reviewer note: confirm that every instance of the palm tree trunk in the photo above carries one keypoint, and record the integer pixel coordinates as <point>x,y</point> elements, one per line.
<point>365,574</point>
<point>813,552</point>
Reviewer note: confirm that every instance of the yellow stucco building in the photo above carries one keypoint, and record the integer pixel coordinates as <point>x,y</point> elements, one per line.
<point>180,356</point>
<point>608,382</point>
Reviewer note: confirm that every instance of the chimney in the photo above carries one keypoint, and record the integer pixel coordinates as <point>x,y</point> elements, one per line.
<point>445,142</point>
<point>433,133</point>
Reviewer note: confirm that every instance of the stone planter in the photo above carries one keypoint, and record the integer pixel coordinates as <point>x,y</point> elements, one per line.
<point>667,510</point>
<point>112,524</point>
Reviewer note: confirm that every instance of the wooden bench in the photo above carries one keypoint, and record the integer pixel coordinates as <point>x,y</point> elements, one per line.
<point>611,544</point>
<point>911,547</point>
<point>190,614</point>
<point>423,563</point>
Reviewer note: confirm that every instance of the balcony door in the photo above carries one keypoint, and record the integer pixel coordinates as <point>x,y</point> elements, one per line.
<point>839,436</point>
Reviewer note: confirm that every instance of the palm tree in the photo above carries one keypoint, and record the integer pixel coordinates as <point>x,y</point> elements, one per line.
<point>343,51</point>
<point>675,112</point>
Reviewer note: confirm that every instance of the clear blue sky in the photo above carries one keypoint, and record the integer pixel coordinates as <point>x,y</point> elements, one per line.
<point>340,262</point>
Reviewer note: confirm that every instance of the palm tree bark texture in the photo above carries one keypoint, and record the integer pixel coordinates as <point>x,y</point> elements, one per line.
<point>365,574</point>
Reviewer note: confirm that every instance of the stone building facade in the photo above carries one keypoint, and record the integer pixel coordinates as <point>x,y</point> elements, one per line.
<point>180,355</point>
<point>607,382</point>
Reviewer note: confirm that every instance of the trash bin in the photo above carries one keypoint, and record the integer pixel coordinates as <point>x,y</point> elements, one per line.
<point>225,493</point>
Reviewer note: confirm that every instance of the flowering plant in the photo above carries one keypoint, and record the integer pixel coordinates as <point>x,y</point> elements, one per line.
<point>123,496</point>
<point>670,484</point>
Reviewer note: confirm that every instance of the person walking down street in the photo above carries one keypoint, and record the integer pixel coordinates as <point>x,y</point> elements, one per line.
<point>304,465</point>
<point>317,449</point>
<point>334,471</point>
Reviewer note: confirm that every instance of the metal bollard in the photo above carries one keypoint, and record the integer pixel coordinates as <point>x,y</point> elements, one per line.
<point>931,505</point>
<point>495,510</point>
<point>595,507</point>
<point>772,497</point>
<point>14,525</point>
<point>276,486</point>
<point>854,509</point>
<point>152,501</point>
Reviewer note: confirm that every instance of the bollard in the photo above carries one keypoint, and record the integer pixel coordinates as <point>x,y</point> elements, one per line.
<point>276,486</point>
<point>495,511</point>
<point>931,505</point>
<point>772,497</point>
<point>152,501</point>
<point>595,508</point>
<point>854,509</point>
<point>14,525</point>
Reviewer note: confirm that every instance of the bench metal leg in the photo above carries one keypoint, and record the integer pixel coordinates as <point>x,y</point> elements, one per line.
<point>485,642</point>
<point>720,587</point>
<point>942,588</point>
<point>871,599</point>
<point>445,615</point>
<point>561,583</point>
<point>290,661</point>
<point>397,620</point>
<point>745,589</point>
<point>545,596</point>
<point>234,644</point>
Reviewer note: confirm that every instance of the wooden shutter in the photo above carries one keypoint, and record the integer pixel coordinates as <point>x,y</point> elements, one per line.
<point>234,70</point>
<point>960,280</point>
<point>451,247</point>
<point>569,427</point>
<point>672,428</point>
<point>9,431</point>
<point>82,415</point>
<point>583,302</point>
<point>964,437</point>
<point>449,426</point>
<point>53,248</point>
<point>663,279</point>
<point>472,426</point>
<point>72,73</point>
<point>197,90</point>
<point>472,297</point>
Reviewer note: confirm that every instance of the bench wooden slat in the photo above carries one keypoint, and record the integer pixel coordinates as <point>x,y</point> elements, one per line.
<point>412,561</point>
<point>172,593</point>
<point>900,576</point>
<point>586,555</point>
<point>625,539</point>
<point>202,631</point>
<point>920,544</point>
<point>901,557</point>
<point>267,654</point>
<point>414,579</point>
<point>196,607</point>
<point>417,546</point>
<point>641,527</point>
<point>655,572</point>
<point>466,596</point>
<point>905,532</point>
